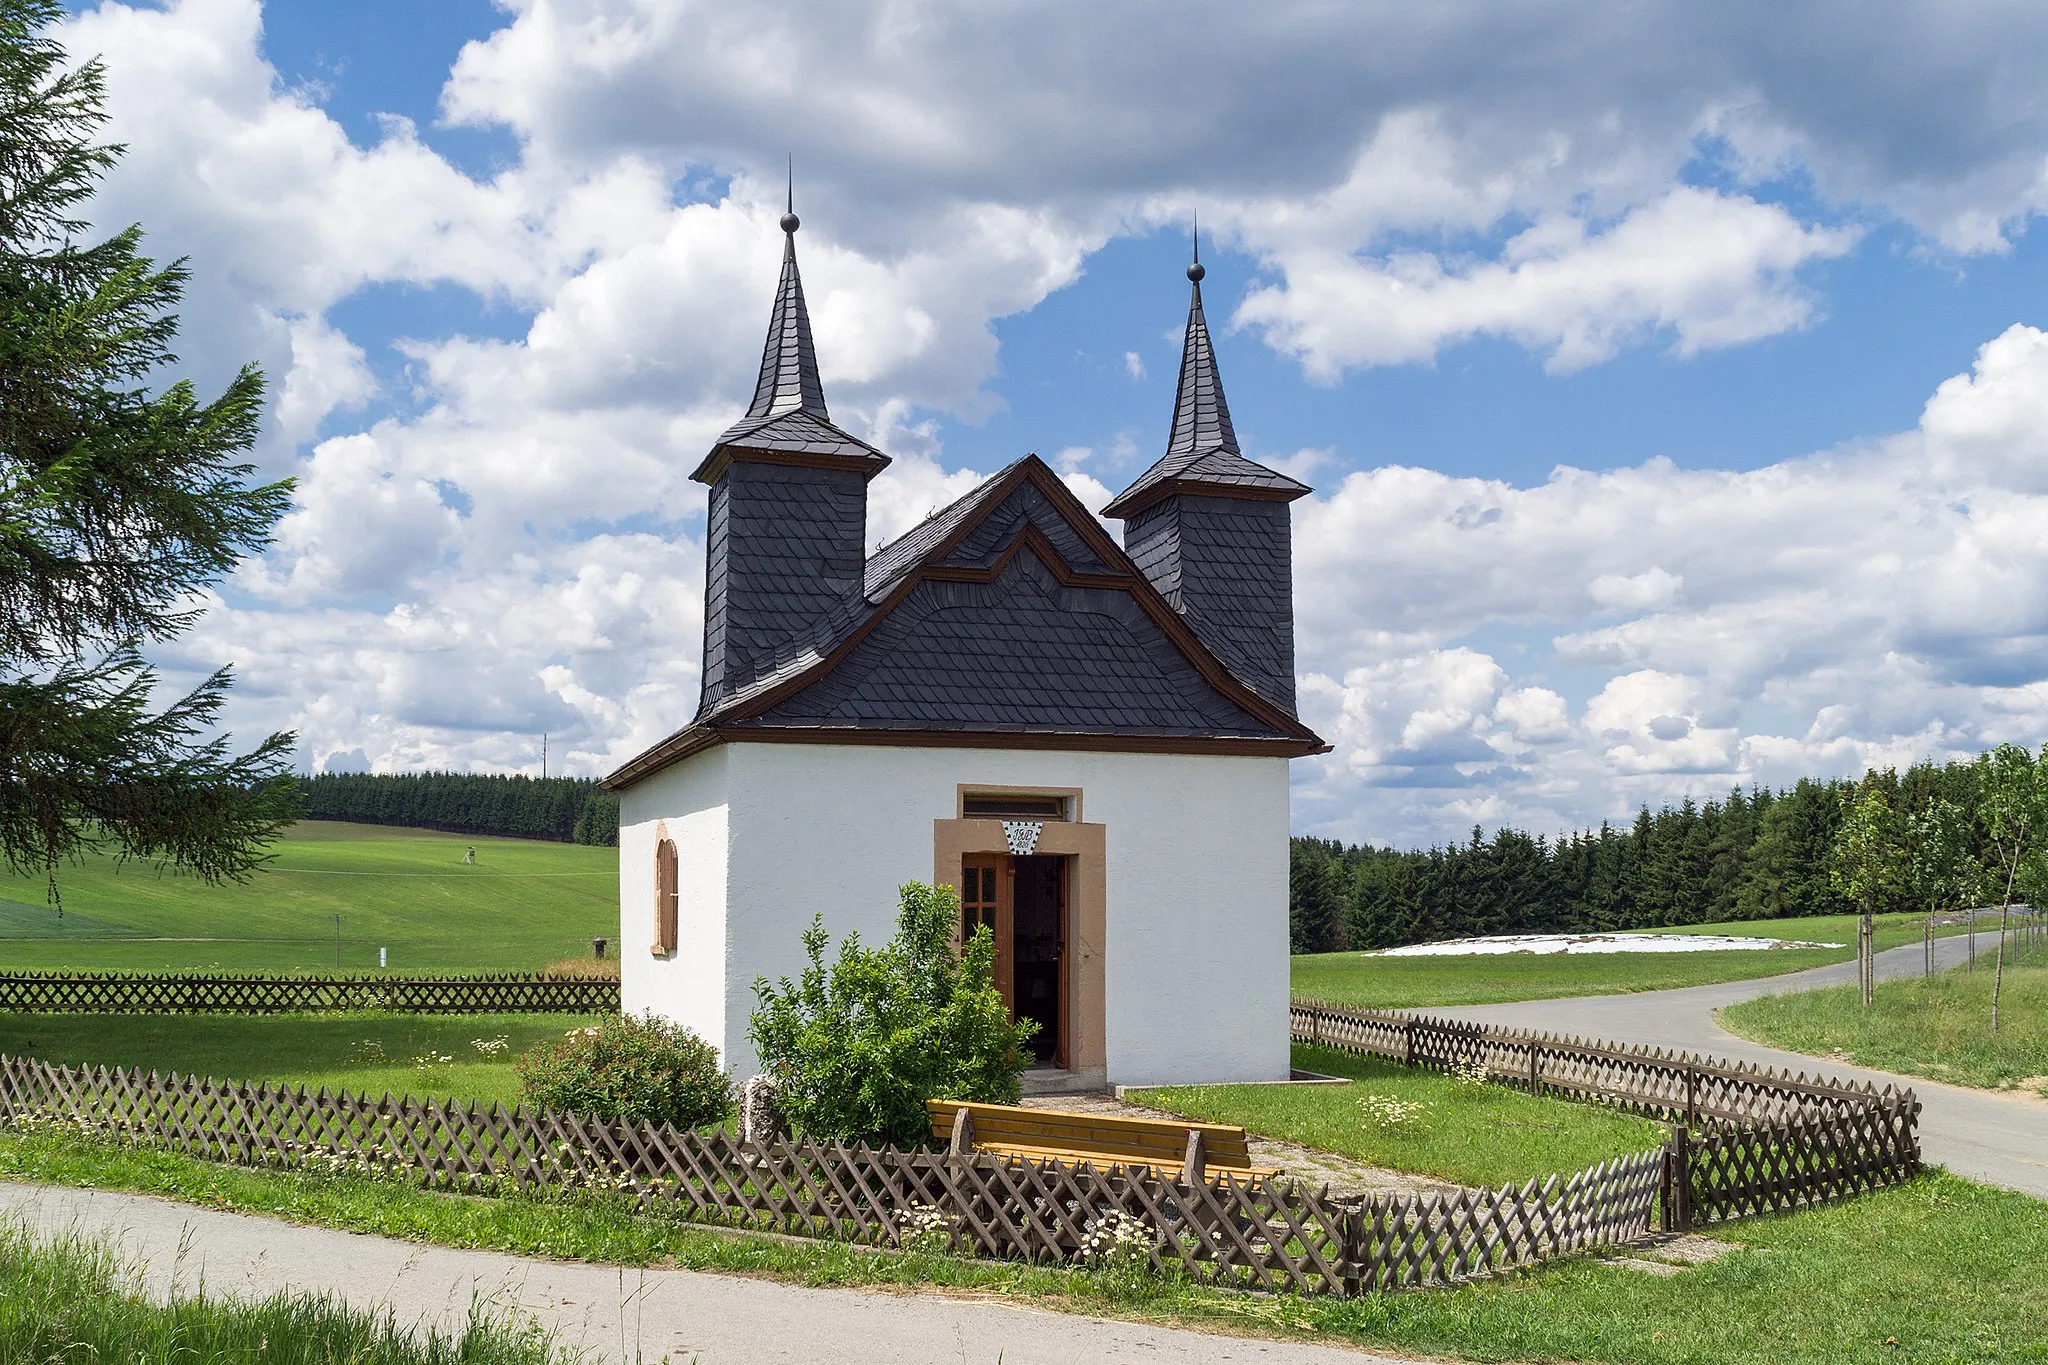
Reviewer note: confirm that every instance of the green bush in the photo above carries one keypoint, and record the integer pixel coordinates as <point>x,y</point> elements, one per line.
<point>644,1070</point>
<point>858,1047</point>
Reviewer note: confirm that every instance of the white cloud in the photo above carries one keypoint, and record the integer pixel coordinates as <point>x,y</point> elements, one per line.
<point>1873,606</point>
<point>508,544</point>
<point>1713,270</point>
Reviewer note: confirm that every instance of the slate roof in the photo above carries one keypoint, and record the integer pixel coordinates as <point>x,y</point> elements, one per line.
<point>788,414</point>
<point>1201,452</point>
<point>1008,613</point>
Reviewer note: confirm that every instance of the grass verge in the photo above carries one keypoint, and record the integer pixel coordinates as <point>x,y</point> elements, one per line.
<point>1474,1134</point>
<point>1938,1027</point>
<point>1419,982</point>
<point>1937,1271</point>
<point>367,1053</point>
<point>69,1299</point>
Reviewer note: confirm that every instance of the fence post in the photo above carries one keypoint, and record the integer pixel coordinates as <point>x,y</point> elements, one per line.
<point>1678,1171</point>
<point>1315,1024</point>
<point>1408,1029</point>
<point>1534,1068</point>
<point>1692,1093</point>
<point>1351,1268</point>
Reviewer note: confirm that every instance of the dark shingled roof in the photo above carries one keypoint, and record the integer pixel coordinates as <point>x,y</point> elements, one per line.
<point>1009,612</point>
<point>788,413</point>
<point>1202,451</point>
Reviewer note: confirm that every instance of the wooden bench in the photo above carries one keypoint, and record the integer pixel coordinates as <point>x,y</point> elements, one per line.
<point>1194,1149</point>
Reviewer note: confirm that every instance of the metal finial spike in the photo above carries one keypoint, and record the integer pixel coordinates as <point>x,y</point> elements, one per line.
<point>1195,271</point>
<point>790,222</point>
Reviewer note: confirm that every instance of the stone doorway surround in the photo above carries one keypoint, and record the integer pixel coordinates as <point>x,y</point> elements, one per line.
<point>1088,888</point>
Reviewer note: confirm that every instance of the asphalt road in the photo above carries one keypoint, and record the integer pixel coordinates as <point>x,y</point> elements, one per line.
<point>1996,1138</point>
<point>633,1317</point>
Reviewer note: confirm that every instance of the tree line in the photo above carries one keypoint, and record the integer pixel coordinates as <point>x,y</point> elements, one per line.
<point>1757,854</point>
<point>565,809</point>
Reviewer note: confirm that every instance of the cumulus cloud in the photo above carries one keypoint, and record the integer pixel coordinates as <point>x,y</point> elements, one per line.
<point>498,536</point>
<point>1877,605</point>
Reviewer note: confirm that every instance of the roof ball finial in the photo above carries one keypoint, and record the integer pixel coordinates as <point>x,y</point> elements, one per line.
<point>1195,271</point>
<point>790,222</point>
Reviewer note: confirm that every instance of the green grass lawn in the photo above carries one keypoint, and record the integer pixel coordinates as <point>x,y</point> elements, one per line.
<point>1417,982</point>
<point>365,1053</point>
<point>1937,1027</point>
<point>524,904</point>
<point>70,1299</point>
<point>1930,1273</point>
<point>1474,1135</point>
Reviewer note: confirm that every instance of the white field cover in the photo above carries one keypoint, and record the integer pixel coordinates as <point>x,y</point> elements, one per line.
<point>1593,943</point>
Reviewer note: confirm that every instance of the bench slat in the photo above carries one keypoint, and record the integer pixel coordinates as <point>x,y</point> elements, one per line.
<point>984,1113</point>
<point>1103,1139</point>
<point>1088,1133</point>
<point>1241,1170</point>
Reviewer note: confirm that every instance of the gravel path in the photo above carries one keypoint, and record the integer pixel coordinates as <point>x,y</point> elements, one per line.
<point>1996,1137</point>
<point>1340,1173</point>
<point>633,1317</point>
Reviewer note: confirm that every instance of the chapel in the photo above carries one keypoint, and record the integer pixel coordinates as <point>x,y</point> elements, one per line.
<point>1088,740</point>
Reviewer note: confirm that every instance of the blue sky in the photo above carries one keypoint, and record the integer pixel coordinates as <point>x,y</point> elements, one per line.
<point>1770,284</point>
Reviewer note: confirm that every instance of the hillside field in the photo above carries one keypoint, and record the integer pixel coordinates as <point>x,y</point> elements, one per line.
<point>523,905</point>
<point>1419,982</point>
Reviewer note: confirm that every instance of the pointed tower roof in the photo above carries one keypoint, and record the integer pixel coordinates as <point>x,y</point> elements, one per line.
<point>1202,454</point>
<point>787,421</point>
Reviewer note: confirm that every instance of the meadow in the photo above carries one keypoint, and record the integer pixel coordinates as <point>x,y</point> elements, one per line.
<point>1369,982</point>
<point>522,905</point>
<point>1436,1124</point>
<point>1938,1027</point>
<point>463,1057</point>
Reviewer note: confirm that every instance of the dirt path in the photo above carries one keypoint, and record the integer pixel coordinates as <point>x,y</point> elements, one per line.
<point>1340,1173</point>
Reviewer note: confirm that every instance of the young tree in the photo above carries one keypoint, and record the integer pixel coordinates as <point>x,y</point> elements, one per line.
<point>1944,866</point>
<point>1866,865</point>
<point>119,503</point>
<point>857,1045</point>
<point>2013,806</point>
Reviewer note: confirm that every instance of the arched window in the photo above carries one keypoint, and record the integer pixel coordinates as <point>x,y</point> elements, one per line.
<point>665,895</point>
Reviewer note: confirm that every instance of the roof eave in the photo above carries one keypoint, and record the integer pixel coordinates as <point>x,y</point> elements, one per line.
<point>723,456</point>
<point>698,738</point>
<point>1131,502</point>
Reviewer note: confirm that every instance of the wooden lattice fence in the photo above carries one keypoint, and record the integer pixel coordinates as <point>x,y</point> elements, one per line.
<point>203,993</point>
<point>1274,1235</point>
<point>1745,1139</point>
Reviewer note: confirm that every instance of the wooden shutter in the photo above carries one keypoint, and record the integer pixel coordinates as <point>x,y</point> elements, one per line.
<point>665,894</point>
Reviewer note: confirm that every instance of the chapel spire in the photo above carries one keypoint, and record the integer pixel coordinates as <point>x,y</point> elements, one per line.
<point>1201,449</point>
<point>785,529</point>
<point>1201,419</point>
<point>789,362</point>
<point>788,416</point>
<point>1210,529</point>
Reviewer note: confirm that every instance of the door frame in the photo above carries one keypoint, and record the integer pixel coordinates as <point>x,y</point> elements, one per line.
<point>1082,974</point>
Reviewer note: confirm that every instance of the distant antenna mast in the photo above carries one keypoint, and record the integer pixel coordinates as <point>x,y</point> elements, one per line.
<point>543,755</point>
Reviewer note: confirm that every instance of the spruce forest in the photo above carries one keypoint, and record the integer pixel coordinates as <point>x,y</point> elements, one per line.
<point>1759,854</point>
<point>565,809</point>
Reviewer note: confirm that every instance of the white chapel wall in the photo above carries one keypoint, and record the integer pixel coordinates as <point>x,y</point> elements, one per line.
<point>1196,914</point>
<point>690,799</point>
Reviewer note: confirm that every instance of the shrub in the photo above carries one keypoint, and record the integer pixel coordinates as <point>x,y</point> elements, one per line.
<point>856,1048</point>
<point>644,1070</point>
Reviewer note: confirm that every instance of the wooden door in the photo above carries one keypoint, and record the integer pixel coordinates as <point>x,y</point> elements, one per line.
<point>987,897</point>
<point>1066,887</point>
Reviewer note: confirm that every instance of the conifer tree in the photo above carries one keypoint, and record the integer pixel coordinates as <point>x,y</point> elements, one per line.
<point>121,498</point>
